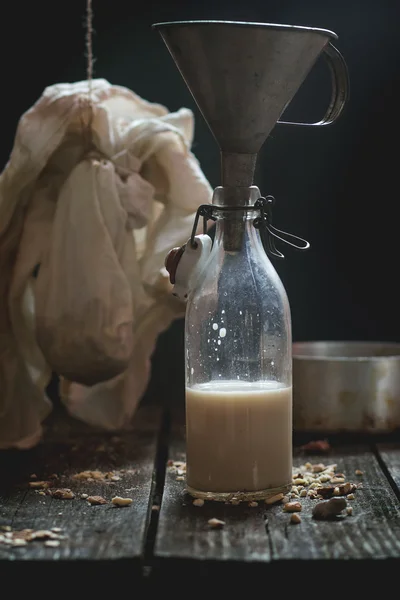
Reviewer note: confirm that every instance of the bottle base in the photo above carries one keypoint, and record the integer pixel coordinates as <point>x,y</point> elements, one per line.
<point>239,496</point>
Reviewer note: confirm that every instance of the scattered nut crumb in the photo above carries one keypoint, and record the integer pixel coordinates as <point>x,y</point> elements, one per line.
<point>347,488</point>
<point>324,478</point>
<point>292,507</point>
<point>216,523</point>
<point>97,475</point>
<point>40,534</point>
<point>20,542</point>
<point>253,504</point>
<point>39,484</point>
<point>295,518</point>
<point>349,510</point>
<point>275,498</point>
<point>198,502</point>
<point>155,507</point>
<point>299,481</point>
<point>180,478</point>
<point>350,496</point>
<point>313,485</point>
<point>178,467</point>
<point>84,496</point>
<point>93,500</point>
<point>341,490</point>
<point>33,476</point>
<point>118,501</point>
<point>63,494</point>
<point>358,472</point>
<point>52,543</point>
<point>338,480</point>
<point>317,468</point>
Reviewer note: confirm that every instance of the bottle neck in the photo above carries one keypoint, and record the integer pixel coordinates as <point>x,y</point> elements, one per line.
<point>235,231</point>
<point>232,225</point>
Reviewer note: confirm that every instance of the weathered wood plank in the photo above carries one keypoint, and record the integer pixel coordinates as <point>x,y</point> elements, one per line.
<point>390,457</point>
<point>183,530</point>
<point>263,535</point>
<point>372,532</point>
<point>105,533</point>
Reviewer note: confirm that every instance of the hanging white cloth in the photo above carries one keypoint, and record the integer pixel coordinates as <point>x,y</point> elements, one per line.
<point>84,233</point>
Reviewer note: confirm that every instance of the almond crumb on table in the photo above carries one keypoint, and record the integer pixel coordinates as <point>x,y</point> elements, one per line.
<point>39,484</point>
<point>22,537</point>
<point>118,501</point>
<point>198,502</point>
<point>292,507</point>
<point>94,500</point>
<point>314,481</point>
<point>317,482</point>
<point>295,518</point>
<point>62,494</point>
<point>216,523</point>
<point>52,543</point>
<point>329,508</point>
<point>274,499</point>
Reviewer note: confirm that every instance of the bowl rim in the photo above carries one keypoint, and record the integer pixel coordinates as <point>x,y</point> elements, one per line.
<point>301,351</point>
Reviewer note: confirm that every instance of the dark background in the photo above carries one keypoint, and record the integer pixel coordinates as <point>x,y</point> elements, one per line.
<point>336,186</point>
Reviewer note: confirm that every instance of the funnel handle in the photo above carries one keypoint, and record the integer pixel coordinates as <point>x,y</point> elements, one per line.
<point>340,87</point>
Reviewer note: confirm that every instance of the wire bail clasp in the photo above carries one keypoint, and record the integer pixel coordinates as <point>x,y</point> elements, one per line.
<point>268,232</point>
<point>264,224</point>
<point>205,211</point>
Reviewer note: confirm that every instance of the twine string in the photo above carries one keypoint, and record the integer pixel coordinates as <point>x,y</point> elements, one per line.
<point>87,103</point>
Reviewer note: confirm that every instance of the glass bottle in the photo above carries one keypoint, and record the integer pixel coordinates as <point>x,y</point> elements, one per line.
<point>238,367</point>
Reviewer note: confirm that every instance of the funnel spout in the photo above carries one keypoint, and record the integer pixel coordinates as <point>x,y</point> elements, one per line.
<point>237,170</point>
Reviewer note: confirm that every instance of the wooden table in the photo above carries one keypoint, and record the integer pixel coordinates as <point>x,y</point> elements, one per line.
<point>162,539</point>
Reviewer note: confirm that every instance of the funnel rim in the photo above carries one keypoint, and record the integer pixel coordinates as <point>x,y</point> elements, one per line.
<point>277,26</point>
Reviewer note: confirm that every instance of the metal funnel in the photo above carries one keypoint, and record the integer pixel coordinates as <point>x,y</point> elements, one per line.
<point>242,77</point>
